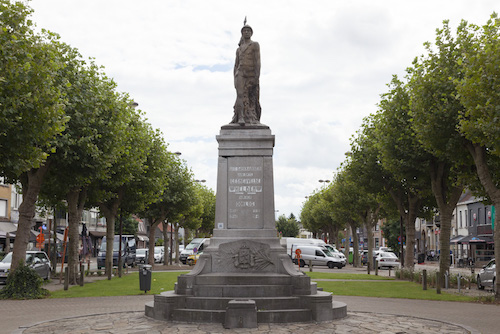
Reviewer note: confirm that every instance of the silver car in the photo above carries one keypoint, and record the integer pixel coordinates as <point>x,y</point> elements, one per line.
<point>387,259</point>
<point>37,260</point>
<point>487,276</point>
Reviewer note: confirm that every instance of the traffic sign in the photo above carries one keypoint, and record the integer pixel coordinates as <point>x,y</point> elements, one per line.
<point>40,238</point>
<point>298,252</point>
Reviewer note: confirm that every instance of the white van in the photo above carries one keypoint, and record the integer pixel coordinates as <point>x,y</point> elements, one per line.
<point>195,246</point>
<point>319,256</point>
<point>291,244</point>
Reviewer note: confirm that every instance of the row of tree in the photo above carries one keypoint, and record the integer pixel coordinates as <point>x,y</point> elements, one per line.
<point>68,136</point>
<point>436,132</point>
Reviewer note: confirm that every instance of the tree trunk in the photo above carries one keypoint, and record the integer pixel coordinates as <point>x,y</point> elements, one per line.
<point>479,155</point>
<point>347,243</point>
<point>151,252</point>
<point>76,199</point>
<point>110,210</point>
<point>31,182</point>
<point>413,207</point>
<point>355,247</point>
<point>446,202</point>
<point>371,244</point>
<point>176,238</point>
<point>166,240</point>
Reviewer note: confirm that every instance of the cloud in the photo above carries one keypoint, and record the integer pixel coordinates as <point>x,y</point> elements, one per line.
<point>324,65</point>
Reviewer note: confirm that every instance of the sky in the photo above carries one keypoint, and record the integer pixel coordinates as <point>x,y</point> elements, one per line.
<point>325,64</point>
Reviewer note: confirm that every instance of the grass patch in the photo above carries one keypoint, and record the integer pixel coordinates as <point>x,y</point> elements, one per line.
<point>127,285</point>
<point>390,289</point>
<point>346,276</point>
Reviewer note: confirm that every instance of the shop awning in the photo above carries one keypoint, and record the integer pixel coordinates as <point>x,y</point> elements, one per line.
<point>471,240</point>
<point>98,234</point>
<point>457,239</point>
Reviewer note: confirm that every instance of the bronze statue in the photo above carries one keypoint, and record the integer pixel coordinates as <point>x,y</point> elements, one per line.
<point>246,79</point>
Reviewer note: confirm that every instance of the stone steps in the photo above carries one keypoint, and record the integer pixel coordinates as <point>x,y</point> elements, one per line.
<point>263,316</point>
<point>243,279</point>
<point>242,291</point>
<point>263,303</point>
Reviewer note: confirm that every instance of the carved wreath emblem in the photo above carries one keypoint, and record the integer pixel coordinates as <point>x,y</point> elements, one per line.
<point>244,254</point>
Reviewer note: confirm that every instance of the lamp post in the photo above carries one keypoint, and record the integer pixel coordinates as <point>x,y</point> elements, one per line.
<point>325,182</point>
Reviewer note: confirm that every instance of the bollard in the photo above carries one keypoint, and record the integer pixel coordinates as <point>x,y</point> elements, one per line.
<point>376,268</point>
<point>424,279</point>
<point>390,271</point>
<point>458,282</point>
<point>66,278</point>
<point>438,283</point>
<point>310,266</point>
<point>368,265</point>
<point>82,273</point>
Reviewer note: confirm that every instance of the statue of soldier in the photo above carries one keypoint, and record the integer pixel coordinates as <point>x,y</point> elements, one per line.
<point>246,79</point>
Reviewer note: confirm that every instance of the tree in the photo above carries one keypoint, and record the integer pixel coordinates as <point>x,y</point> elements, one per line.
<point>479,91</point>
<point>391,231</point>
<point>129,225</point>
<point>31,109</point>
<point>403,156</point>
<point>176,198</point>
<point>287,227</point>
<point>435,110</point>
<point>207,197</point>
<point>91,142</point>
<point>136,179</point>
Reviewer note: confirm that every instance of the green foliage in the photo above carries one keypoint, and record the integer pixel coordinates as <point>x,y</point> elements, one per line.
<point>288,227</point>
<point>129,225</point>
<point>391,230</point>
<point>207,217</point>
<point>31,99</point>
<point>23,283</point>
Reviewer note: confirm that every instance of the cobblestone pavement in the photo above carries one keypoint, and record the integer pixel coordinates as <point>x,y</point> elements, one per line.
<point>137,322</point>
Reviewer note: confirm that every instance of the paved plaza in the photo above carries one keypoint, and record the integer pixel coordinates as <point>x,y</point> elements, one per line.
<point>125,314</point>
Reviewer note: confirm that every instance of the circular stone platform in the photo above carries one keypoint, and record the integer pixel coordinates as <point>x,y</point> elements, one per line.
<point>137,322</point>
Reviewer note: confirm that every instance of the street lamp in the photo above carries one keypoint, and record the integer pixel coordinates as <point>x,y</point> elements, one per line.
<point>200,181</point>
<point>324,182</point>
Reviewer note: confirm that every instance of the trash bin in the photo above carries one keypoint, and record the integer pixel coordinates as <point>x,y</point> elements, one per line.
<point>145,277</point>
<point>421,258</point>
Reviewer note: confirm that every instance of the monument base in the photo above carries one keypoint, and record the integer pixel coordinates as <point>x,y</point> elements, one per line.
<point>244,277</point>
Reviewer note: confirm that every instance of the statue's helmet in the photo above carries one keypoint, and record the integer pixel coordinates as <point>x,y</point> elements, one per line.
<point>247,26</point>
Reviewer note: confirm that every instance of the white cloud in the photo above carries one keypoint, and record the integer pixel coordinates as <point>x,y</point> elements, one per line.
<point>324,65</point>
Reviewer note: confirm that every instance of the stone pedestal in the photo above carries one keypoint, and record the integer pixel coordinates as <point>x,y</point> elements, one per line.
<point>244,259</point>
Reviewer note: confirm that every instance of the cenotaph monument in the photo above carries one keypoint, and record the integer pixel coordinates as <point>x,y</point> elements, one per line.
<point>244,277</point>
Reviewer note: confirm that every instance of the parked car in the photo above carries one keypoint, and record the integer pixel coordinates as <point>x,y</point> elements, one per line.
<point>192,259</point>
<point>141,255</point>
<point>364,257</point>
<point>159,254</point>
<point>487,276</point>
<point>334,250</point>
<point>195,246</point>
<point>37,260</point>
<point>387,260</point>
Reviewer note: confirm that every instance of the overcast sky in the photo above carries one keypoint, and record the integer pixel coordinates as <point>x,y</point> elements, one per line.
<point>324,65</point>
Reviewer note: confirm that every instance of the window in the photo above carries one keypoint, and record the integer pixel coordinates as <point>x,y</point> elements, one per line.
<point>466,218</point>
<point>460,219</point>
<point>3,208</point>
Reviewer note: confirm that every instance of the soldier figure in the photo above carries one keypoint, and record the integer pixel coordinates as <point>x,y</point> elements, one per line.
<point>246,79</point>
